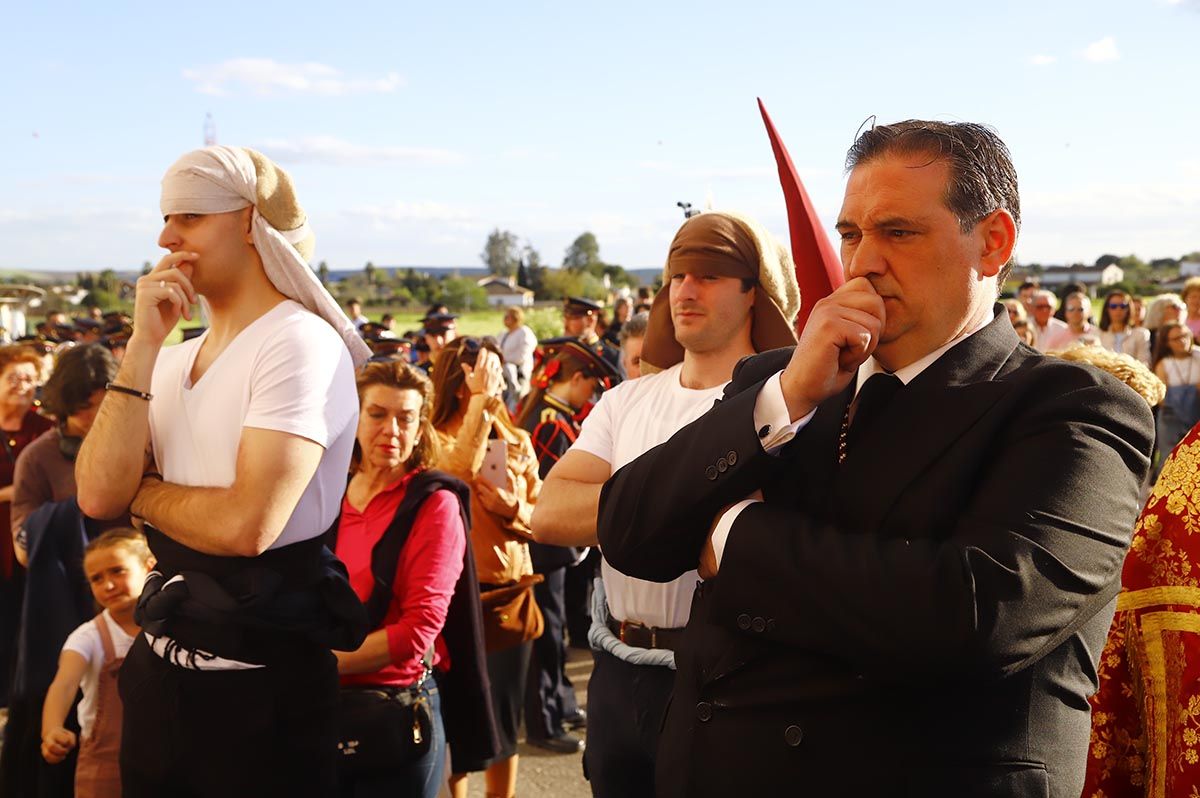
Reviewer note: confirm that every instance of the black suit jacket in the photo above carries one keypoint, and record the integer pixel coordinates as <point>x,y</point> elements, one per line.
<point>923,620</point>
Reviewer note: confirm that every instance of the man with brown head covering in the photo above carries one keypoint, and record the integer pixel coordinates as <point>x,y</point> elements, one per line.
<point>729,291</point>
<point>907,592</point>
<point>233,447</point>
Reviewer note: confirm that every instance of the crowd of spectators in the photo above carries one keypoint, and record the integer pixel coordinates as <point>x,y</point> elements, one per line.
<point>461,618</point>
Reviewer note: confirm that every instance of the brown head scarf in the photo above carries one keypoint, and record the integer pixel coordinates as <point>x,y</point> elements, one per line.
<point>729,245</point>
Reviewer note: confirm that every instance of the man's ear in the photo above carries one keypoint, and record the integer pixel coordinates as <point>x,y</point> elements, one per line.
<point>248,223</point>
<point>997,234</point>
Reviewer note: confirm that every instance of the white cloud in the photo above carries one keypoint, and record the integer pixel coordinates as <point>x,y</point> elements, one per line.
<point>264,77</point>
<point>419,211</point>
<point>328,149</point>
<point>1042,60</point>
<point>1103,50</point>
<point>1150,219</point>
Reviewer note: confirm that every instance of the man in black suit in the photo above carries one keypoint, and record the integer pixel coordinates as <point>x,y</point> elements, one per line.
<point>907,586</point>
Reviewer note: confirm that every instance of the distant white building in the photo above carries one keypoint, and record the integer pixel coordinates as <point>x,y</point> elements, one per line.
<point>1189,268</point>
<point>1090,276</point>
<point>503,292</point>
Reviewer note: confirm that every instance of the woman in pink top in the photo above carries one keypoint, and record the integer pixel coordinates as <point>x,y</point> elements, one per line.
<point>395,446</point>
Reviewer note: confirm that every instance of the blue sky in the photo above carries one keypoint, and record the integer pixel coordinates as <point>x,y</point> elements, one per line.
<point>414,129</point>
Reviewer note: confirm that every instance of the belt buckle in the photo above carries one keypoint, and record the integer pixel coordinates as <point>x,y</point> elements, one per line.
<point>626,626</point>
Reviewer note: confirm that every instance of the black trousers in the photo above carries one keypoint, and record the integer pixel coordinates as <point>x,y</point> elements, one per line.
<point>261,732</point>
<point>550,696</point>
<point>578,595</point>
<point>626,706</point>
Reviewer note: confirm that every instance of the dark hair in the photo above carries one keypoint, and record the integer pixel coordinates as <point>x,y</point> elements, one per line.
<point>982,176</point>
<point>447,374</point>
<point>1104,319</point>
<point>1034,284</point>
<point>353,301</point>
<point>80,372</point>
<point>568,367</point>
<point>1162,347</point>
<point>401,376</point>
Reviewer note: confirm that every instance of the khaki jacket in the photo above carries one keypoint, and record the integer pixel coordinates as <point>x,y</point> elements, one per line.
<point>500,546</point>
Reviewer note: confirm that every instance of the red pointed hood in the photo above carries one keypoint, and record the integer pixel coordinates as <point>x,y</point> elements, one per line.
<point>818,266</point>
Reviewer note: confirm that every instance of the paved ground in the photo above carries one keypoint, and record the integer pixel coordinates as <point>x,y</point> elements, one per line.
<point>546,775</point>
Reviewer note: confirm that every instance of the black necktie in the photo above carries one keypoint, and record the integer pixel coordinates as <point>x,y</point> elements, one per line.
<point>870,402</point>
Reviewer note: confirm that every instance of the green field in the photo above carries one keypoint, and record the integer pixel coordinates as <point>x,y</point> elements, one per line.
<point>546,322</point>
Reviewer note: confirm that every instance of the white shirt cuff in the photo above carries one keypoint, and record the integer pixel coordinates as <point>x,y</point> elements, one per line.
<point>771,420</point>
<point>720,534</point>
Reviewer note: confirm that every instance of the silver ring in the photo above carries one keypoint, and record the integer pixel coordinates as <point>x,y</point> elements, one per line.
<point>162,283</point>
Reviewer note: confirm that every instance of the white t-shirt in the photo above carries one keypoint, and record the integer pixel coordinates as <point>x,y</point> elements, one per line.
<point>287,371</point>
<point>630,419</point>
<point>85,641</point>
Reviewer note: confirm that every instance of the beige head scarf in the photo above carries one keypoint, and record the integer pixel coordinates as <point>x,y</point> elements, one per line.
<point>730,245</point>
<point>222,179</point>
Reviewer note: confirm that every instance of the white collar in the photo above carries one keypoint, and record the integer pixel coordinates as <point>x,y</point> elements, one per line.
<point>909,373</point>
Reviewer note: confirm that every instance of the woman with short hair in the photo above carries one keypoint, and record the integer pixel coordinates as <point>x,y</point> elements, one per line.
<point>46,470</point>
<point>394,495</point>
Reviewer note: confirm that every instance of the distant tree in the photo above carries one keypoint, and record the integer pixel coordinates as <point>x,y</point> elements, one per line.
<point>459,293</point>
<point>370,271</point>
<point>535,272</point>
<point>1107,260</point>
<point>583,254</point>
<point>147,267</point>
<point>1192,256</point>
<point>323,272</point>
<point>502,253</point>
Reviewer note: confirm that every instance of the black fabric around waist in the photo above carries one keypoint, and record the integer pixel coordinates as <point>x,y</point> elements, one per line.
<point>287,603</point>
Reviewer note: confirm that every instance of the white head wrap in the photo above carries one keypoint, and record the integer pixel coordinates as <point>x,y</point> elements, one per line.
<point>222,179</point>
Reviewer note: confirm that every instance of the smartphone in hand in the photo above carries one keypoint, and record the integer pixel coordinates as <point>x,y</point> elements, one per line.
<point>495,464</point>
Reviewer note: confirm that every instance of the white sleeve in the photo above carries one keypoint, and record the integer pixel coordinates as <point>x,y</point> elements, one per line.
<point>528,344</point>
<point>596,437</point>
<point>771,419</point>
<point>85,641</point>
<point>303,384</point>
<point>720,535</point>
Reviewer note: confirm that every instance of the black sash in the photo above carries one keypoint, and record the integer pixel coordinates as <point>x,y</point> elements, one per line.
<point>287,602</point>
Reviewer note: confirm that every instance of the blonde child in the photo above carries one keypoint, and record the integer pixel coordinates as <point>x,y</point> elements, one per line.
<point>116,565</point>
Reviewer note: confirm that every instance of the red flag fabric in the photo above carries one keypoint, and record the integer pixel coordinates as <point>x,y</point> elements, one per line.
<point>818,266</point>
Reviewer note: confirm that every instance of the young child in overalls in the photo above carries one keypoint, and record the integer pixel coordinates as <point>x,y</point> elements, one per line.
<point>116,565</point>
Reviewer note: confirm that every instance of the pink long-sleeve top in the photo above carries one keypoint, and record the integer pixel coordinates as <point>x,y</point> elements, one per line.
<point>429,567</point>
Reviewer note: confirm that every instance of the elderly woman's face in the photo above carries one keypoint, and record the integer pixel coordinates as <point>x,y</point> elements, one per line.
<point>18,382</point>
<point>389,426</point>
<point>1170,313</point>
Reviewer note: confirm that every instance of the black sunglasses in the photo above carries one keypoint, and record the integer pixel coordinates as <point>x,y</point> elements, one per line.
<point>1118,306</point>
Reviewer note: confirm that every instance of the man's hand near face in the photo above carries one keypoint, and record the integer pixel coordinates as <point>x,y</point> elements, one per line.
<point>840,335</point>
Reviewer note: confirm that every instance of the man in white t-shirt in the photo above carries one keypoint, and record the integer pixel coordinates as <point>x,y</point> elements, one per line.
<point>729,291</point>
<point>234,448</point>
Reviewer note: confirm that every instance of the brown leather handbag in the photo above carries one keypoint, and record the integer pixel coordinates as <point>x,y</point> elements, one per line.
<point>511,614</point>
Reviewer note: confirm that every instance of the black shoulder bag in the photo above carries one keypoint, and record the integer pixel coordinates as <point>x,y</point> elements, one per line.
<point>383,727</point>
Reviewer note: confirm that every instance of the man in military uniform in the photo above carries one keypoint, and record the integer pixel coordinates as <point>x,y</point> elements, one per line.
<point>580,317</point>
<point>571,374</point>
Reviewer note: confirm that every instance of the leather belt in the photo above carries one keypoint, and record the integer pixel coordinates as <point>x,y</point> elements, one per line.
<point>638,635</point>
